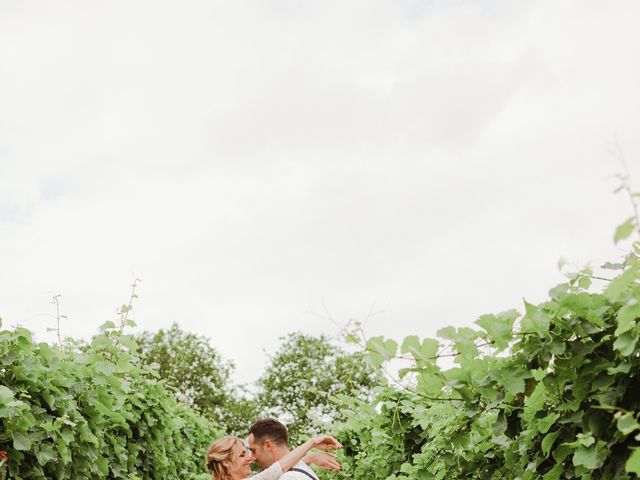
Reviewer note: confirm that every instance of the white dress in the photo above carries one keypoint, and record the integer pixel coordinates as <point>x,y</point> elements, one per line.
<point>272,473</point>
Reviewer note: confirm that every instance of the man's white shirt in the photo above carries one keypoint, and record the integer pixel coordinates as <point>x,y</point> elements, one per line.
<point>292,475</point>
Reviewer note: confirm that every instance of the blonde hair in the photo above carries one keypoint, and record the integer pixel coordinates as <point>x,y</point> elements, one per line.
<point>218,452</point>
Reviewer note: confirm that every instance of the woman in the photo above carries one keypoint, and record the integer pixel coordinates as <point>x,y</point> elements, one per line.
<point>228,459</point>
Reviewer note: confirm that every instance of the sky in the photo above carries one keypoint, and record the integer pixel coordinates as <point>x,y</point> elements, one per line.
<point>286,165</point>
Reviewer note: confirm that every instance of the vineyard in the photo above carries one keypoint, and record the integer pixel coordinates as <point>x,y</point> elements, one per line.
<point>550,393</point>
<point>94,414</point>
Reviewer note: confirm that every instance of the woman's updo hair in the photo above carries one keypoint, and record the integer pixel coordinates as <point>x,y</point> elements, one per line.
<point>220,451</point>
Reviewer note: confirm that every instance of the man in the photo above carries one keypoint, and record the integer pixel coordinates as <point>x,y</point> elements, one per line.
<point>269,442</point>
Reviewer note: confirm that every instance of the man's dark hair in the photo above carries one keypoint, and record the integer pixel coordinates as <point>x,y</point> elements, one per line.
<point>270,429</point>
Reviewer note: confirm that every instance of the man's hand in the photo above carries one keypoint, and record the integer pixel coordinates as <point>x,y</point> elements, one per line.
<point>323,460</point>
<point>325,442</point>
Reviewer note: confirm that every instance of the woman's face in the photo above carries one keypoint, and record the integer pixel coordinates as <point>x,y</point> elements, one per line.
<point>238,464</point>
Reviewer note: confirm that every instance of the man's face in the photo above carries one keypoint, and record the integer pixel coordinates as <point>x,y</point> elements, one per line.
<point>261,453</point>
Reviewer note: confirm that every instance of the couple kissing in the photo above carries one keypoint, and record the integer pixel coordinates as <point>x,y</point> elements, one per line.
<point>268,445</point>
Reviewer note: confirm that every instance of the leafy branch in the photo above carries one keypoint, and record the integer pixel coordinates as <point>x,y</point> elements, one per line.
<point>124,310</point>
<point>633,222</point>
<point>56,301</point>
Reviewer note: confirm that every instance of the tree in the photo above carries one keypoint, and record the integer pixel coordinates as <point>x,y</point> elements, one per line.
<point>188,363</point>
<point>304,375</point>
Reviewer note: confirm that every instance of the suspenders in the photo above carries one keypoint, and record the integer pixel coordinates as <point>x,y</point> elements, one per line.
<point>303,471</point>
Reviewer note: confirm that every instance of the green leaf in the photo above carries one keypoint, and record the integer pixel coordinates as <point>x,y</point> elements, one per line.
<point>425,351</point>
<point>46,352</point>
<point>534,403</point>
<point>627,316</point>
<point>585,439</point>
<point>47,397</point>
<point>548,441</point>
<point>100,341</point>
<point>560,291</point>
<point>584,283</point>
<point>128,342</point>
<point>48,427</point>
<point>499,327</point>
<point>412,342</point>
<point>108,325</point>
<point>627,424</point>
<point>562,262</point>
<point>612,266</point>
<point>67,436</point>
<point>590,457</point>
<point>21,441</point>
<point>618,285</point>
<point>624,229</point>
<point>626,343</point>
<point>602,382</point>
<point>622,368</point>
<point>429,348</point>
<point>448,333</point>
<point>554,473</point>
<point>429,383</point>
<point>633,462</point>
<point>386,347</point>
<point>586,456</point>
<point>561,452</point>
<point>467,351</point>
<point>381,350</point>
<point>351,338</point>
<point>547,422</point>
<point>538,374</point>
<point>513,379</point>
<point>535,320</point>
<point>5,394</point>
<point>103,465</point>
<point>45,454</point>
<point>105,367</point>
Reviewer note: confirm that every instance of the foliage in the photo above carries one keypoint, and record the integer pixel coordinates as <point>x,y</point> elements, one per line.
<point>198,375</point>
<point>303,376</point>
<point>188,363</point>
<point>92,414</point>
<point>553,393</point>
<point>241,410</point>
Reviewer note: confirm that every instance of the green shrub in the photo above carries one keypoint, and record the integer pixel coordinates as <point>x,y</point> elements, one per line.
<point>553,393</point>
<point>97,413</point>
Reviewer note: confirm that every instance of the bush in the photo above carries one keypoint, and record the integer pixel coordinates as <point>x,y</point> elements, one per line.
<point>92,414</point>
<point>550,394</point>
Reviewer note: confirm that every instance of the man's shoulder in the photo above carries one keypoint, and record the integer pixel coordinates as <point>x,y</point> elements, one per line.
<point>293,475</point>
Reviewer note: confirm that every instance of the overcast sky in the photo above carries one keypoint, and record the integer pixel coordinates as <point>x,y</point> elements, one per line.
<point>254,162</point>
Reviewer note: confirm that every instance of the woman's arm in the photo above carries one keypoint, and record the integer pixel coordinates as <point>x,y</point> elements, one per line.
<point>323,442</point>
<point>290,459</point>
